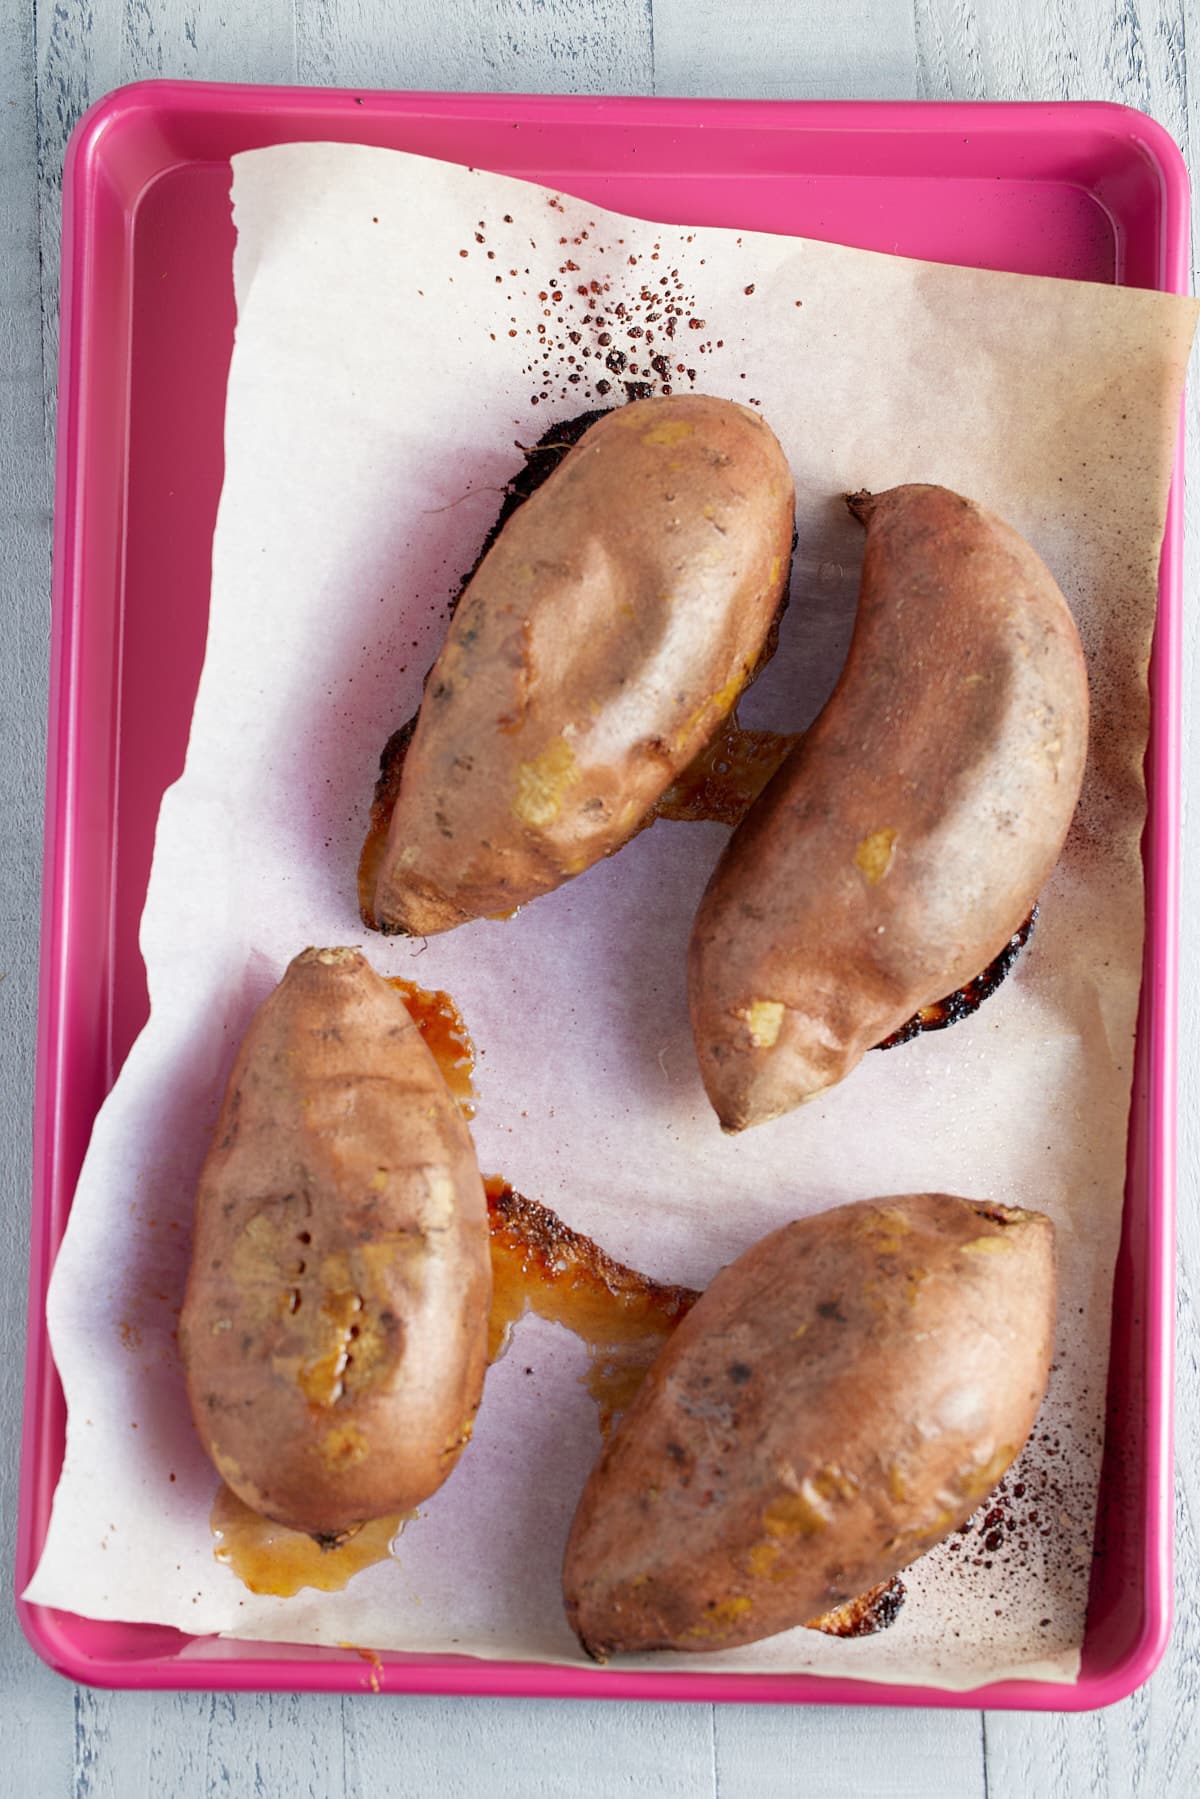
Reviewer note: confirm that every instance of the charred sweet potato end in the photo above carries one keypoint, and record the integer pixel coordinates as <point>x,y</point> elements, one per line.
<point>965,1000</point>
<point>387,787</point>
<point>866,1615</point>
<point>541,1238</point>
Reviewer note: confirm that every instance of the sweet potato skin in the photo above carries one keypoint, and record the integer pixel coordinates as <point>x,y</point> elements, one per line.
<point>909,832</point>
<point>601,641</point>
<point>841,1398</point>
<point>334,1326</point>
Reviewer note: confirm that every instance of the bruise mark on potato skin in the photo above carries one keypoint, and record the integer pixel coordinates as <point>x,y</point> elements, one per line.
<point>544,782</point>
<point>717,706</point>
<point>987,1246</point>
<point>343,1446</point>
<point>875,854</point>
<point>719,1613</point>
<point>800,1514</point>
<point>763,1560</point>
<point>763,1019</point>
<point>668,434</point>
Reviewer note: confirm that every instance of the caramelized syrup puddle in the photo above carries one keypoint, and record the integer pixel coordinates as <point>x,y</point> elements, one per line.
<point>539,1264</point>
<point>726,778</point>
<point>441,1024</point>
<point>269,1558</point>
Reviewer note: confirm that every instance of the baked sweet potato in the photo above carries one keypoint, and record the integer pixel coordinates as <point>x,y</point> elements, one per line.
<point>334,1327</point>
<point>603,638</point>
<point>841,1398</point>
<point>907,835</point>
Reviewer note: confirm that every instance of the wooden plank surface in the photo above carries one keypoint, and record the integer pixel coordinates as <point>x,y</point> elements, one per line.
<point>55,57</point>
<point>34,1704</point>
<point>513,46</point>
<point>778,50</point>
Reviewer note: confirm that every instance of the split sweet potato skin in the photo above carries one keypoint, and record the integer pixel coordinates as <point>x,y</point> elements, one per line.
<point>601,641</point>
<point>841,1398</point>
<point>334,1326</point>
<point>909,832</point>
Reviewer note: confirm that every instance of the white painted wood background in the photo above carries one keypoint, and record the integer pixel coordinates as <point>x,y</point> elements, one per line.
<point>56,56</point>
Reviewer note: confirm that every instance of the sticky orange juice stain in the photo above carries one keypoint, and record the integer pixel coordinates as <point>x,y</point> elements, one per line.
<point>725,779</point>
<point>441,1024</point>
<point>373,1660</point>
<point>540,1265</point>
<point>269,1558</point>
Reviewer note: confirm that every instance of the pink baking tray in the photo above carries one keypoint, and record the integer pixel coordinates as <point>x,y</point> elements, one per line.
<point>1095,192</point>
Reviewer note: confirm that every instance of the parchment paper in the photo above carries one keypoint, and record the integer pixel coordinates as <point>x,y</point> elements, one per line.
<point>402,326</point>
